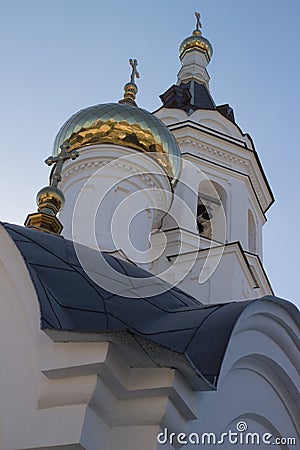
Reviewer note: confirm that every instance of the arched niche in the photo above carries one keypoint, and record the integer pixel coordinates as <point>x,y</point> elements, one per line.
<point>251,232</point>
<point>211,211</point>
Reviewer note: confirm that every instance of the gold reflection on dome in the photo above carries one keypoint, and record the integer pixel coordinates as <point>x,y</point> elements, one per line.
<point>124,125</point>
<point>196,44</point>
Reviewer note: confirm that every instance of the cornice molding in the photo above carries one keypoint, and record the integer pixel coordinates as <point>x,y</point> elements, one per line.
<point>225,155</point>
<point>146,178</point>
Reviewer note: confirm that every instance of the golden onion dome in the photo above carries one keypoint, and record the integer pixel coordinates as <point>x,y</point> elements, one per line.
<point>196,42</point>
<point>124,125</point>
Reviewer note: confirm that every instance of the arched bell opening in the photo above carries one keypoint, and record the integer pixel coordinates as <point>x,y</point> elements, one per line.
<point>211,211</point>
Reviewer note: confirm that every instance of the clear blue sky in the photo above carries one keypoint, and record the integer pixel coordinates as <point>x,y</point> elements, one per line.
<point>58,56</point>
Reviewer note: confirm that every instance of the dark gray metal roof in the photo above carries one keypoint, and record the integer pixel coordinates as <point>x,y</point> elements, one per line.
<point>71,301</point>
<point>188,96</point>
<point>191,96</point>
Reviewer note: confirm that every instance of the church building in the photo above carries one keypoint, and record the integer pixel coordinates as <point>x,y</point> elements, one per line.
<point>135,309</point>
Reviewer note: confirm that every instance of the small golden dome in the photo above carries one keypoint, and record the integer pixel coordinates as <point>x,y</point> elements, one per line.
<point>50,199</point>
<point>124,125</point>
<point>196,42</point>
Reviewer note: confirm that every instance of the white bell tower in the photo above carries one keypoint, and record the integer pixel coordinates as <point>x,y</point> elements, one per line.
<point>222,182</point>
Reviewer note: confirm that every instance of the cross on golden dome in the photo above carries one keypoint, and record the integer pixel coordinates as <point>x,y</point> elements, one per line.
<point>58,161</point>
<point>50,199</point>
<point>198,23</point>
<point>130,89</point>
<point>134,73</point>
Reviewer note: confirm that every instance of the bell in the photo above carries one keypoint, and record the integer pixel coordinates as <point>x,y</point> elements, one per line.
<point>207,215</point>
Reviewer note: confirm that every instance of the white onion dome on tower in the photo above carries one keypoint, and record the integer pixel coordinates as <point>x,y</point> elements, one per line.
<point>196,42</point>
<point>122,124</point>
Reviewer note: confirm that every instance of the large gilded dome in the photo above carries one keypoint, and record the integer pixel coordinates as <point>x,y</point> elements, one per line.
<point>124,125</point>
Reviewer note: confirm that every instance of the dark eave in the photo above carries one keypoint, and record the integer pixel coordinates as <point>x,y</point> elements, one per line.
<point>188,96</point>
<point>71,302</point>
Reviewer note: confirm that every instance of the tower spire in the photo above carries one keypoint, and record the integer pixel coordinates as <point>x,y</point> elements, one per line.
<point>50,199</point>
<point>131,89</point>
<point>195,53</point>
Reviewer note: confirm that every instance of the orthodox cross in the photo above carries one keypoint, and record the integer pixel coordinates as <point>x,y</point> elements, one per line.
<point>58,161</point>
<point>198,23</point>
<point>134,73</point>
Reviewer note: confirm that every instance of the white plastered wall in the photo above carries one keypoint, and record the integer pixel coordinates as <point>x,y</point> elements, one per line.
<point>259,382</point>
<point>111,192</point>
